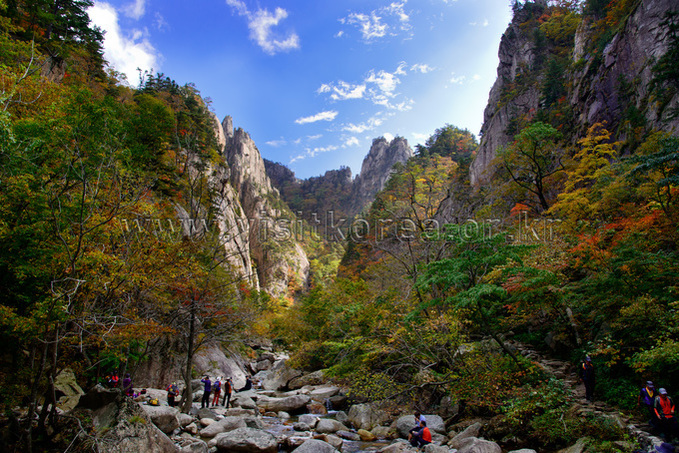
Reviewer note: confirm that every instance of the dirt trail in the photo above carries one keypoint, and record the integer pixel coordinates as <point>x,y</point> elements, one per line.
<point>568,373</point>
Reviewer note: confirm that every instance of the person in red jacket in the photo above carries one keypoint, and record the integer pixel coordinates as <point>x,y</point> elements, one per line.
<point>421,437</point>
<point>664,410</point>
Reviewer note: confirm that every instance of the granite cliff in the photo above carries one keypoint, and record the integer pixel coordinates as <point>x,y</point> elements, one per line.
<point>603,78</point>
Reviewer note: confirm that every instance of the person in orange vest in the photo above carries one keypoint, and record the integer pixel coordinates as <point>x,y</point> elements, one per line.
<point>421,437</point>
<point>664,410</point>
<point>113,380</point>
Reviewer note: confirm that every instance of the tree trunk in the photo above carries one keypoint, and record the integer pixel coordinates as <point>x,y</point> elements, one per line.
<point>187,396</point>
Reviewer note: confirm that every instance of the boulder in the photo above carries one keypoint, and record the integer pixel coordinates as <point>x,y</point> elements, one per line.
<point>289,404</point>
<point>470,431</point>
<point>323,393</point>
<point>317,408</point>
<point>195,446</point>
<point>436,424</point>
<point>67,390</point>
<point>432,448</point>
<point>382,432</point>
<point>326,426</point>
<point>184,419</point>
<point>248,440</point>
<point>331,439</point>
<point>526,450</point>
<point>400,446</point>
<point>222,426</point>
<point>299,426</point>
<point>206,413</point>
<point>279,375</point>
<point>121,425</point>
<point>293,442</point>
<point>342,417</point>
<point>338,402</point>
<point>366,436</point>
<point>244,402</point>
<point>315,378</point>
<point>476,445</point>
<point>206,422</point>
<point>405,424</point>
<point>191,428</point>
<point>348,435</point>
<point>309,419</point>
<point>367,416</point>
<point>164,417</point>
<point>315,446</point>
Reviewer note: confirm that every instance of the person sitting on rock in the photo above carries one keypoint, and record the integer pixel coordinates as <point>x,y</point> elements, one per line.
<point>127,385</point>
<point>419,418</point>
<point>664,410</point>
<point>422,436</point>
<point>247,386</point>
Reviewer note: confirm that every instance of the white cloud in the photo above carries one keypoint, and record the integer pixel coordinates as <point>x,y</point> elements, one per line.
<point>351,141</point>
<point>160,22</point>
<point>124,52</point>
<point>342,90</point>
<point>135,10</point>
<point>485,22</point>
<point>386,21</point>
<point>388,136</point>
<point>314,137</point>
<point>277,143</point>
<point>313,152</point>
<point>261,24</point>
<point>476,77</point>
<point>423,68</point>
<point>328,115</point>
<point>459,80</point>
<point>371,124</point>
<point>386,81</point>
<point>419,137</point>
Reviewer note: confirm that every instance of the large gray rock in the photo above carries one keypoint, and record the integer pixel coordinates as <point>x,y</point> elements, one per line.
<point>121,425</point>
<point>164,417</point>
<point>405,424</point>
<point>323,393</point>
<point>195,446</point>
<point>476,445</point>
<point>431,448</point>
<point>470,431</point>
<point>222,426</point>
<point>315,446</point>
<point>523,450</point>
<point>315,378</point>
<point>244,401</point>
<point>280,374</point>
<point>309,419</point>
<point>289,404</point>
<point>327,426</point>
<point>400,446</point>
<point>366,416</point>
<point>248,440</point>
<point>436,424</point>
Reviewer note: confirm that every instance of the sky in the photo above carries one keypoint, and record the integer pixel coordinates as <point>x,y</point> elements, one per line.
<point>315,81</point>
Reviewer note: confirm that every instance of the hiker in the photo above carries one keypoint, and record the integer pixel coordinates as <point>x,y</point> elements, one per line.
<point>587,376</point>
<point>172,392</point>
<point>419,418</point>
<point>247,386</point>
<point>647,399</point>
<point>664,410</point>
<point>216,390</point>
<point>113,380</point>
<point>228,387</point>
<point>141,397</point>
<point>127,385</point>
<point>422,436</point>
<point>206,391</point>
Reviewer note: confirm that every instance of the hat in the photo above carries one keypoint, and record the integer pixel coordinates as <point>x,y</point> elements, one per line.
<point>649,384</point>
<point>662,391</point>
<point>588,359</point>
<point>664,448</point>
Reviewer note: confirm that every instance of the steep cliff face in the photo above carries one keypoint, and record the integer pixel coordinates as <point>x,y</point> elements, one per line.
<point>609,83</point>
<point>280,261</point>
<point>376,169</point>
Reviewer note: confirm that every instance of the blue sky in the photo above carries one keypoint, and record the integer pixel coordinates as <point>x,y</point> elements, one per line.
<point>314,82</point>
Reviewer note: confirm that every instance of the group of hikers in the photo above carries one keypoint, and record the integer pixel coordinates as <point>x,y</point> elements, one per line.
<point>657,403</point>
<point>420,435</point>
<point>214,389</point>
<point>113,381</point>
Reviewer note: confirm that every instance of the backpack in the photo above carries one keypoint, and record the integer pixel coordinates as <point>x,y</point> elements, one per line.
<point>217,386</point>
<point>154,402</point>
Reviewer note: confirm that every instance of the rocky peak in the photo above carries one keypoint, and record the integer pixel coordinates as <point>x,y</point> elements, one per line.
<point>376,169</point>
